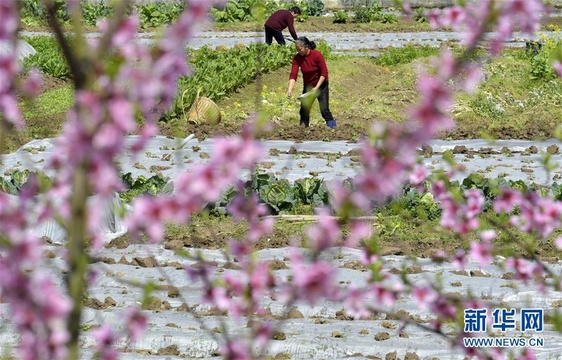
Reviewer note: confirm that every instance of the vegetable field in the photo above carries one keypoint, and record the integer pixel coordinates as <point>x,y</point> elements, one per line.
<point>133,227</point>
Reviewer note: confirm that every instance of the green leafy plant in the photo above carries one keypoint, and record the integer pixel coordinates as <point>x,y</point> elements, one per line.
<point>278,195</point>
<point>154,14</point>
<point>417,204</point>
<point>32,8</point>
<point>32,12</point>
<point>541,55</point>
<point>219,207</point>
<point>340,17</point>
<point>490,187</point>
<point>141,185</point>
<point>92,12</point>
<point>321,196</point>
<point>18,179</point>
<point>244,10</point>
<point>8,187</point>
<point>61,10</point>
<point>385,18</point>
<point>419,15</point>
<point>281,196</point>
<point>314,7</point>
<point>48,59</point>
<point>232,12</point>
<point>55,67</point>
<point>35,9</point>
<point>361,14</point>
<point>557,191</point>
<point>151,14</point>
<point>307,188</point>
<point>374,13</point>
<point>488,105</point>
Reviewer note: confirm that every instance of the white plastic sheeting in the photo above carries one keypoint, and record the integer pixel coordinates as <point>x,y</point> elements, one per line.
<point>333,160</point>
<point>338,41</point>
<point>309,337</point>
<point>23,49</point>
<point>111,225</point>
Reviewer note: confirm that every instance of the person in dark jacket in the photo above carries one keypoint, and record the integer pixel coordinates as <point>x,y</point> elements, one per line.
<point>278,21</point>
<point>315,79</point>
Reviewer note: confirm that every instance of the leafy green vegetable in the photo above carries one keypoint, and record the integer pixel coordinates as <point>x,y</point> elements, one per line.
<point>20,177</point>
<point>141,186</point>
<point>219,207</point>
<point>557,191</point>
<point>7,186</point>
<point>306,188</point>
<point>278,195</point>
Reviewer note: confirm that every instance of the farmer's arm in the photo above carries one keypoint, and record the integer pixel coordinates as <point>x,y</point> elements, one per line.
<point>320,81</point>
<point>293,77</point>
<point>291,87</point>
<point>290,23</point>
<point>323,71</point>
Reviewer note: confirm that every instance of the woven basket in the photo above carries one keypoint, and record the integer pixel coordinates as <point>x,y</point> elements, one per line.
<point>204,111</point>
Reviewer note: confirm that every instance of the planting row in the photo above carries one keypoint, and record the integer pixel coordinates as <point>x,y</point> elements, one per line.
<point>303,195</point>
<point>158,13</point>
<point>361,12</point>
<point>153,14</point>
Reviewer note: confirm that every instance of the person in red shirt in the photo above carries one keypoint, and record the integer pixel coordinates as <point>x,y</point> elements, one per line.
<point>315,79</point>
<point>278,21</point>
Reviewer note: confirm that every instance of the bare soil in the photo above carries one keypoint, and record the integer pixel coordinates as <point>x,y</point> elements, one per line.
<point>352,128</point>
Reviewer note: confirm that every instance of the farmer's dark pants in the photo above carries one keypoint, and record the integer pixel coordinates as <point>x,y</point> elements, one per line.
<point>270,34</point>
<point>323,100</point>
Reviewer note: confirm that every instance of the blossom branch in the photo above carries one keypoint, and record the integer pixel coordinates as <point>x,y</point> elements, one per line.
<point>79,67</point>
<point>114,23</point>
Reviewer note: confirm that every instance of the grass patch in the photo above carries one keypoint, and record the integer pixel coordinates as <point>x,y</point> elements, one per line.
<point>405,55</point>
<point>54,101</point>
<point>511,102</point>
<point>44,115</point>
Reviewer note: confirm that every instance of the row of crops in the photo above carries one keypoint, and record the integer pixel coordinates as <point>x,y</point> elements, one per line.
<point>219,72</point>
<point>281,196</point>
<point>158,13</point>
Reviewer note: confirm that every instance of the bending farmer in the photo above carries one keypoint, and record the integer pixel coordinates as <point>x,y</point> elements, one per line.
<point>278,21</point>
<point>315,78</point>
